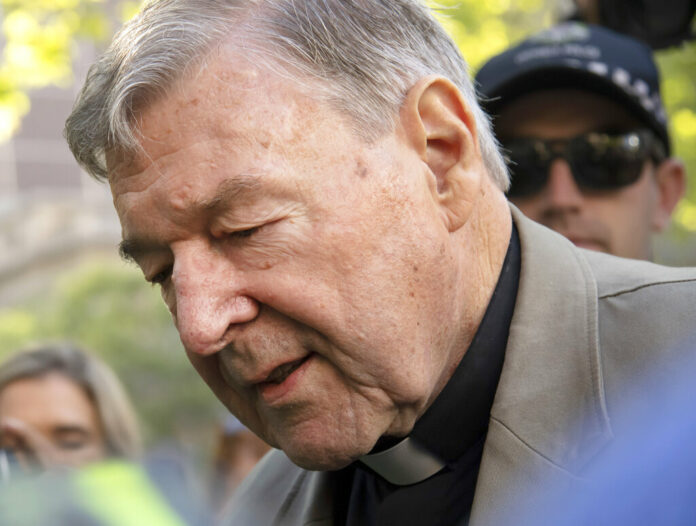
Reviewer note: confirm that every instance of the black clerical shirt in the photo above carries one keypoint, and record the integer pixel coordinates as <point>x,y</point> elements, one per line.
<point>453,428</point>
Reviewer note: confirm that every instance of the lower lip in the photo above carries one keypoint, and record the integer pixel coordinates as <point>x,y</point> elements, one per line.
<point>273,393</point>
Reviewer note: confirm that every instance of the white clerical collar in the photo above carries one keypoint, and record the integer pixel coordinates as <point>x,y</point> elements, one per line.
<point>403,464</point>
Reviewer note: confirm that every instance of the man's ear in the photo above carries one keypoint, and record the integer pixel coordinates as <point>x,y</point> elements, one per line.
<point>671,186</point>
<point>440,127</point>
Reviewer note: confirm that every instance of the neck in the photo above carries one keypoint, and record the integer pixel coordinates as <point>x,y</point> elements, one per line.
<point>482,244</point>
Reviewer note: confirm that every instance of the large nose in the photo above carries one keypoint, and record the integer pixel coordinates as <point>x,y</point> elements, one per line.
<point>562,192</point>
<point>209,300</point>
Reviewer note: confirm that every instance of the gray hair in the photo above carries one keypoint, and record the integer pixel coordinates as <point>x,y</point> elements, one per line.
<point>101,385</point>
<point>363,54</point>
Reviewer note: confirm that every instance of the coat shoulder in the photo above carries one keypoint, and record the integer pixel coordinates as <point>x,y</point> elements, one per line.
<point>618,276</point>
<point>646,323</point>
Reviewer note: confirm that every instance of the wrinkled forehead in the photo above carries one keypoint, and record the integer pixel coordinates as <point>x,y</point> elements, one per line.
<point>229,97</point>
<point>48,384</point>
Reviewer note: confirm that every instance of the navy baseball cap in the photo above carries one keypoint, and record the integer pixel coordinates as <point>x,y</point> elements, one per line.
<point>580,56</point>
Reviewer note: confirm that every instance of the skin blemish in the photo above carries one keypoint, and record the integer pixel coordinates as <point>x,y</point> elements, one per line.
<point>361,170</point>
<point>179,199</point>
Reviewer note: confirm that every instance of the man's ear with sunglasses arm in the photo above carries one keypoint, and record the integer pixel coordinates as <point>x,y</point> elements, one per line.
<point>670,178</point>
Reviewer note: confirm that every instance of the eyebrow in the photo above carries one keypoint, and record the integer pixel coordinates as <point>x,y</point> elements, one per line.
<point>131,249</point>
<point>231,189</point>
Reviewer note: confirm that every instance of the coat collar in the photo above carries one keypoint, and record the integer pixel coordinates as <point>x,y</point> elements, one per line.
<point>549,416</point>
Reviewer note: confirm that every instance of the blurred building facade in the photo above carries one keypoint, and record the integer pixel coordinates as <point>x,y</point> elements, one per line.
<point>52,215</point>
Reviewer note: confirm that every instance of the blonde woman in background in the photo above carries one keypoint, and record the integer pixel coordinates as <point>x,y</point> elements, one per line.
<point>62,407</point>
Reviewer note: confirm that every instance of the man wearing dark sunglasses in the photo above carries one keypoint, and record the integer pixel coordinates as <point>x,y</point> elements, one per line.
<point>578,111</point>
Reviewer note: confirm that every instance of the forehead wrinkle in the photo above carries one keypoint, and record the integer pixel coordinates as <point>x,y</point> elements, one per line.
<point>230,190</point>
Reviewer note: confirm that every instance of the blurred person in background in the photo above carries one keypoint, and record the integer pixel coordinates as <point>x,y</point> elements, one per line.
<point>63,407</point>
<point>579,114</point>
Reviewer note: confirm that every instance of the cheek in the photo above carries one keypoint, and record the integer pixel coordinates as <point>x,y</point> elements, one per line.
<point>240,404</point>
<point>630,213</point>
<point>207,368</point>
<point>92,451</point>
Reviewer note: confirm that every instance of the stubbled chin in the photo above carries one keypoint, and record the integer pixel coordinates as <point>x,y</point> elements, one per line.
<point>320,462</point>
<point>316,455</point>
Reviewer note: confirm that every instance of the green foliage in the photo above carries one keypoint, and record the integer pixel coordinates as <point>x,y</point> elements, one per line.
<point>108,308</point>
<point>678,69</point>
<point>484,29</point>
<point>39,44</point>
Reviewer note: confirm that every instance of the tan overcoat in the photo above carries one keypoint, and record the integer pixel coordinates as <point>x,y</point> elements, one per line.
<point>584,324</point>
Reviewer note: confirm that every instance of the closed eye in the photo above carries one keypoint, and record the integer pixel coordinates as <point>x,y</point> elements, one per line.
<point>245,233</point>
<point>71,437</point>
<point>162,276</point>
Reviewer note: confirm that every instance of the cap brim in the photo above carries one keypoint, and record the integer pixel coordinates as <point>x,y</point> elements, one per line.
<point>558,77</point>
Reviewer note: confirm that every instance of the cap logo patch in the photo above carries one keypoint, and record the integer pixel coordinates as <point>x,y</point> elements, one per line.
<point>569,50</point>
<point>563,33</point>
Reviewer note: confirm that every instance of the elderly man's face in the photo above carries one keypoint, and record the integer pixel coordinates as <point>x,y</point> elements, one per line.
<point>308,272</point>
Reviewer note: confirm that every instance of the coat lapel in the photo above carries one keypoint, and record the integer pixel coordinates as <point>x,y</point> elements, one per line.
<point>549,415</point>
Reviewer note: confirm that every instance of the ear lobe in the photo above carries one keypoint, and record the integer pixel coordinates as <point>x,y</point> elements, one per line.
<point>671,185</point>
<point>441,129</point>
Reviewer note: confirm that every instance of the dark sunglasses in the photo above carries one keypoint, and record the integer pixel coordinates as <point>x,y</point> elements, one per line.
<point>598,161</point>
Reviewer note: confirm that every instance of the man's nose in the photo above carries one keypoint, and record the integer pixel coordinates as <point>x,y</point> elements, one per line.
<point>561,190</point>
<point>209,300</point>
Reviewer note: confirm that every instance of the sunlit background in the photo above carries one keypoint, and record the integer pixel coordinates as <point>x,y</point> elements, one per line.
<point>60,278</point>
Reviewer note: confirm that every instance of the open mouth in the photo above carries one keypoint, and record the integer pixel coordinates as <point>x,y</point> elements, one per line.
<point>283,381</point>
<point>280,373</point>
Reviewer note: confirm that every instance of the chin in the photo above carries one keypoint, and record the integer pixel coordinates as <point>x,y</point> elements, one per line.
<point>324,457</point>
